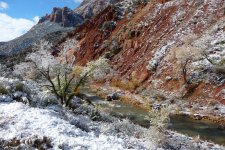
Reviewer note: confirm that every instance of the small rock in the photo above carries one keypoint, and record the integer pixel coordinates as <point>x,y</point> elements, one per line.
<point>17,94</point>
<point>25,100</point>
<point>168,78</point>
<point>114,96</point>
<point>156,106</point>
<point>198,116</point>
<point>109,98</point>
<point>221,127</point>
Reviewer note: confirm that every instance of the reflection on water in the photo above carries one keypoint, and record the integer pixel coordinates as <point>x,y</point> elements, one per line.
<point>185,125</point>
<point>206,130</point>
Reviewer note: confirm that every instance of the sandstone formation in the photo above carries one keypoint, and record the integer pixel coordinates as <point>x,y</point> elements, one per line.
<point>65,16</point>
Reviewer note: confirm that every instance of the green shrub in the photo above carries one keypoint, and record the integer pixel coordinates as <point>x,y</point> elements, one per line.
<point>19,87</point>
<point>3,90</point>
<point>159,120</point>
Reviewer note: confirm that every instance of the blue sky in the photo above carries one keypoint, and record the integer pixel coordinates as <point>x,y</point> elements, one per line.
<point>30,8</point>
<point>18,16</point>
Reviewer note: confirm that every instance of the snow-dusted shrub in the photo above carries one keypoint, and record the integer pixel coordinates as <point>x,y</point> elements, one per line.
<point>69,45</point>
<point>159,120</point>
<point>16,90</point>
<point>64,82</point>
<point>26,70</point>
<point>184,55</point>
<point>45,99</point>
<point>218,66</point>
<point>124,128</point>
<point>32,143</point>
<point>82,122</point>
<point>105,44</point>
<point>4,71</point>
<point>42,55</point>
<point>64,79</point>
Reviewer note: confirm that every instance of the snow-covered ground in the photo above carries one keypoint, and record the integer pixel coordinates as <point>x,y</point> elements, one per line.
<point>23,122</point>
<point>66,129</point>
<point>42,122</point>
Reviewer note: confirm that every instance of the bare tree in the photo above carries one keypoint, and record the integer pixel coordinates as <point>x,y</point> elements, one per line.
<point>62,77</point>
<point>186,54</point>
<point>66,83</point>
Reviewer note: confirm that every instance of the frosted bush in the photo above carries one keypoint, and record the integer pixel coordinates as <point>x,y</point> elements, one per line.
<point>159,120</point>
<point>69,45</point>
<point>4,71</point>
<point>42,56</point>
<point>124,128</point>
<point>64,80</point>
<point>26,70</point>
<point>98,69</point>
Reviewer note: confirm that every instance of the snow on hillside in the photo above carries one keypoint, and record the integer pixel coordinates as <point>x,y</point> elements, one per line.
<point>23,122</point>
<point>65,128</point>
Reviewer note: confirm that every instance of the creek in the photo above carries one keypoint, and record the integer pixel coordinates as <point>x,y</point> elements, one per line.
<point>182,124</point>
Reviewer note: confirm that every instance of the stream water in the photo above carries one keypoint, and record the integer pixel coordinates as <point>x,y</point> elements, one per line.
<point>185,125</point>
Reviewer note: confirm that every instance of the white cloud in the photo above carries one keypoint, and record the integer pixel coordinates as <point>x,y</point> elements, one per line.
<point>11,28</point>
<point>36,19</point>
<point>3,5</point>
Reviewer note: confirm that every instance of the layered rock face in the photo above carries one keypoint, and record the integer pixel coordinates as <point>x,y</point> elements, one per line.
<point>65,16</point>
<point>146,46</point>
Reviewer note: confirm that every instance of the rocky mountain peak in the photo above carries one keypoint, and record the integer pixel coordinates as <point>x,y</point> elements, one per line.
<point>65,16</point>
<point>90,8</point>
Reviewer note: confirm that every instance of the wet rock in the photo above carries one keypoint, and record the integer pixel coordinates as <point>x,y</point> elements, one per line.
<point>198,117</point>
<point>96,45</point>
<point>114,96</point>
<point>216,108</point>
<point>25,100</point>
<point>221,127</point>
<point>108,98</point>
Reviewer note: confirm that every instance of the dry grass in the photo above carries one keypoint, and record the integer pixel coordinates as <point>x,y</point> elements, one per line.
<point>126,85</point>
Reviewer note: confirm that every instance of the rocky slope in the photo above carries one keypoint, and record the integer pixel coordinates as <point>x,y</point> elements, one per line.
<point>24,42</point>
<point>166,45</point>
<point>57,24</point>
